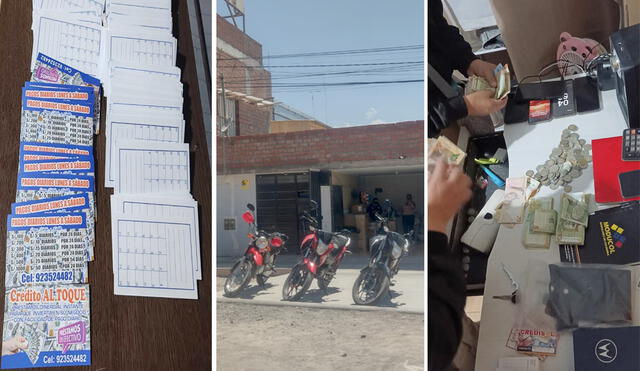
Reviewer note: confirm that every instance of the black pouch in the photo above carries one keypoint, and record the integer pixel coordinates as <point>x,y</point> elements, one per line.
<point>588,295</point>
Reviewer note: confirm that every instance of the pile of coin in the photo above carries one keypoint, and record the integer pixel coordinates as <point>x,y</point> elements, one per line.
<point>565,163</point>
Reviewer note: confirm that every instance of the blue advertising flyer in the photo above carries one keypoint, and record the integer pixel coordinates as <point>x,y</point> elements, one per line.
<point>72,203</point>
<point>49,70</point>
<point>58,166</point>
<point>46,326</point>
<point>46,248</point>
<point>39,186</point>
<point>54,149</point>
<point>56,121</point>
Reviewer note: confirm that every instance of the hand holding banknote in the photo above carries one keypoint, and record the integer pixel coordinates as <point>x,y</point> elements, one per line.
<point>485,70</point>
<point>483,103</point>
<point>14,345</point>
<point>449,188</point>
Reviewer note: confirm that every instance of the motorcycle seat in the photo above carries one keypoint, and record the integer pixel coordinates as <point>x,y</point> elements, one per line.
<point>341,240</point>
<point>324,236</point>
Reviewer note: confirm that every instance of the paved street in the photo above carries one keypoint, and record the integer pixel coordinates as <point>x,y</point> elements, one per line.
<point>261,337</point>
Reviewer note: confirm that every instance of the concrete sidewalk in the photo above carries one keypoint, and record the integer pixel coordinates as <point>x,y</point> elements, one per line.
<point>407,295</point>
<point>286,261</point>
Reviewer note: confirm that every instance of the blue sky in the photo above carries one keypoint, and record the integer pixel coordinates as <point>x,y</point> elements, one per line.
<point>294,26</point>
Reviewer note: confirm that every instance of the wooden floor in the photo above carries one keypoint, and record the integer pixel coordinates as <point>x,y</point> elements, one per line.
<point>127,333</point>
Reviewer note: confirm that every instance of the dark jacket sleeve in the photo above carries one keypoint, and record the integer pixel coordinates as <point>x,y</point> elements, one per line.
<point>459,51</point>
<point>446,302</point>
<point>444,112</point>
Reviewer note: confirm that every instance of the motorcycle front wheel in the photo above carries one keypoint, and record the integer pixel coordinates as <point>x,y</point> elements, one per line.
<point>370,286</point>
<point>297,283</point>
<point>239,278</point>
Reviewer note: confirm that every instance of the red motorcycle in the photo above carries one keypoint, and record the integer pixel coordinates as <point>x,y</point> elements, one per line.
<point>320,255</point>
<point>259,259</point>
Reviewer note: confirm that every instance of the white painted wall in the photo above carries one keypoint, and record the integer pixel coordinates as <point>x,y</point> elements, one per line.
<point>325,202</point>
<point>232,199</point>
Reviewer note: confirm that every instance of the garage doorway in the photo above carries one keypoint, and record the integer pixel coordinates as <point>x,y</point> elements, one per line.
<point>280,200</point>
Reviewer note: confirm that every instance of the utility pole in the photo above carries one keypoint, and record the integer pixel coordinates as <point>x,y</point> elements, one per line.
<point>224,107</point>
<point>224,127</point>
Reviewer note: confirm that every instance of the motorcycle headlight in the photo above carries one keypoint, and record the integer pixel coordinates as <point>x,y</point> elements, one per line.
<point>262,242</point>
<point>321,248</point>
<point>396,251</point>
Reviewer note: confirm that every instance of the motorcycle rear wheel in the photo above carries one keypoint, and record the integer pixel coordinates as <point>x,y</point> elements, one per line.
<point>370,286</point>
<point>297,283</point>
<point>238,278</point>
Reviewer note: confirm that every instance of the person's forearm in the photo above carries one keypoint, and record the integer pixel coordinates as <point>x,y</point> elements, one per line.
<point>446,298</point>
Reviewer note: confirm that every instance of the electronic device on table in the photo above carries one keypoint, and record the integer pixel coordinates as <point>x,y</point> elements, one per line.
<point>625,62</point>
<point>631,145</point>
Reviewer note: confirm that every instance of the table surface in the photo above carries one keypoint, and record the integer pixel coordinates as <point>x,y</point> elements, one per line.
<point>127,333</point>
<point>529,146</point>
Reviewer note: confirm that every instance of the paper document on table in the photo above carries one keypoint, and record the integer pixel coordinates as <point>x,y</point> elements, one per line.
<point>150,127</point>
<point>519,364</point>
<point>153,256</point>
<point>141,45</point>
<point>149,167</point>
<point>70,40</point>
<point>151,205</point>
<point>511,209</point>
<point>91,7</point>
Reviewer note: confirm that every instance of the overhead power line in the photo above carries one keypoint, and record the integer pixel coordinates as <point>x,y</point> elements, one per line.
<point>349,83</point>
<point>335,52</point>
<point>345,64</point>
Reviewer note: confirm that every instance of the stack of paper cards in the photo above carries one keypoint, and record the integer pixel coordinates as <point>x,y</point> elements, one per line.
<point>51,228</point>
<point>155,237</point>
<point>76,39</point>
<point>129,46</point>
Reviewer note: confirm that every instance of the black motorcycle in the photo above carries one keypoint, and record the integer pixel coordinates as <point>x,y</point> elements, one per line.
<point>386,249</point>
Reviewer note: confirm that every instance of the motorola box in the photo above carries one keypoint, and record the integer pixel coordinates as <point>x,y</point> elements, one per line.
<point>606,349</point>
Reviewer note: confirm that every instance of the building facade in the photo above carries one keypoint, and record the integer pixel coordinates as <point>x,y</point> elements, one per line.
<point>240,70</point>
<point>279,173</point>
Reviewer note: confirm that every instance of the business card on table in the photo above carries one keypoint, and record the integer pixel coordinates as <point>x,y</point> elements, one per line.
<point>533,341</point>
<point>46,325</point>
<point>46,248</point>
<point>539,110</point>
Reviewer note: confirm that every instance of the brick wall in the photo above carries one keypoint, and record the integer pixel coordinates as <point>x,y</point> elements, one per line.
<point>233,36</point>
<point>344,147</point>
<point>254,81</point>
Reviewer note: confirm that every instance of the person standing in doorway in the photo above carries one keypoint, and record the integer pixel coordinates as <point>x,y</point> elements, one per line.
<point>408,214</point>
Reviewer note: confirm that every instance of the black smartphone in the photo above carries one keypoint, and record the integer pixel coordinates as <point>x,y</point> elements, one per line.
<point>516,111</point>
<point>630,184</point>
<point>540,90</point>
<point>587,94</point>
